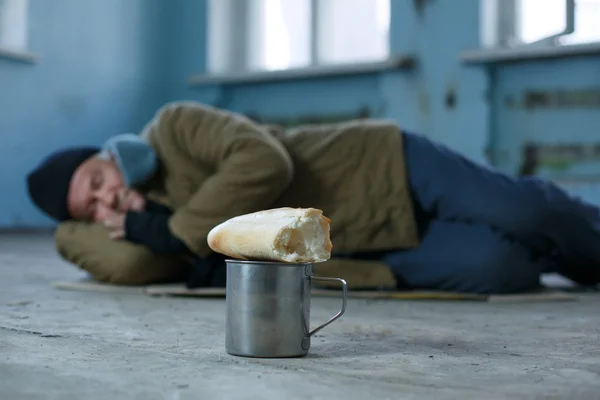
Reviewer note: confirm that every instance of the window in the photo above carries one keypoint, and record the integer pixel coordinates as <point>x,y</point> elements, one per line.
<point>279,34</point>
<point>353,30</point>
<point>13,25</point>
<point>268,35</point>
<point>509,23</point>
<point>539,19</point>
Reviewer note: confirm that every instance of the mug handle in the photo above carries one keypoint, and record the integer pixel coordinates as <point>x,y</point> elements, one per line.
<point>344,301</point>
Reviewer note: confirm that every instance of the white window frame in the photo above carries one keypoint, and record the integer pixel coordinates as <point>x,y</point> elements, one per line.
<point>227,22</point>
<point>499,36</point>
<point>500,26</point>
<point>14,30</point>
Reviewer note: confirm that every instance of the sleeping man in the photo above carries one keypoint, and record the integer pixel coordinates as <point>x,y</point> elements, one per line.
<point>406,212</point>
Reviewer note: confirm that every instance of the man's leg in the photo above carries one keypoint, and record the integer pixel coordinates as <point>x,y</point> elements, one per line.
<point>118,262</point>
<point>468,258</point>
<point>449,187</point>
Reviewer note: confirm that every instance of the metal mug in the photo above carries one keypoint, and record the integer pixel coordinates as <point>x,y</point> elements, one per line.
<point>268,308</point>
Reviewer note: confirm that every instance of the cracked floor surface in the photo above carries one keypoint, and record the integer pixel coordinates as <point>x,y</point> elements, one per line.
<point>74,345</point>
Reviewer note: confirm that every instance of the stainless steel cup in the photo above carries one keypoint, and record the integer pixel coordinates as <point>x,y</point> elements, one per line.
<point>268,308</point>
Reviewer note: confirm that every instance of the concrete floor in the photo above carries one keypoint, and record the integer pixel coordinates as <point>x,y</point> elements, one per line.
<point>73,345</point>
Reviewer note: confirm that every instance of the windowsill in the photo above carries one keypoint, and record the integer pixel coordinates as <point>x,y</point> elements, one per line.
<point>396,63</point>
<point>19,55</point>
<point>483,56</point>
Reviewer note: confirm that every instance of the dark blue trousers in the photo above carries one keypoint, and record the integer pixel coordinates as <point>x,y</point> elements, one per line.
<point>485,232</point>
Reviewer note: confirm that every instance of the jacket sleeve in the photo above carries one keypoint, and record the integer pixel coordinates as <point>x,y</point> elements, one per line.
<point>251,171</point>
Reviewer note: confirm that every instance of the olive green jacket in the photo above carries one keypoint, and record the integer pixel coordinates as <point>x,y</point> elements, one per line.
<point>215,164</point>
<point>218,164</point>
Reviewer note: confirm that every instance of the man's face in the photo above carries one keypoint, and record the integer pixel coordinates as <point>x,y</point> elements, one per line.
<point>97,191</point>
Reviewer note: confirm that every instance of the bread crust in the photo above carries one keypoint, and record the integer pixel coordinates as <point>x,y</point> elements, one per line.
<point>282,234</point>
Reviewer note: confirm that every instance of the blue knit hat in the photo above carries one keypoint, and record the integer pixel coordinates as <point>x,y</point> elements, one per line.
<point>134,156</point>
<point>48,184</point>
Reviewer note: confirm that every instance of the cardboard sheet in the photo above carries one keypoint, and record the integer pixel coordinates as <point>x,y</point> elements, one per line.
<point>180,290</point>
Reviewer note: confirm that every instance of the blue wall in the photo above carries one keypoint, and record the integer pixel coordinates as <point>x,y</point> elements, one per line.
<point>102,71</point>
<point>115,62</point>
<point>417,100</point>
<point>573,120</point>
<point>481,124</point>
<point>108,68</point>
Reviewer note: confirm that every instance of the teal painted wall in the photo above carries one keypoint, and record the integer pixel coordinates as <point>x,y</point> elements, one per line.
<point>463,106</point>
<point>106,66</point>
<point>101,72</point>
<point>416,100</point>
<point>564,112</point>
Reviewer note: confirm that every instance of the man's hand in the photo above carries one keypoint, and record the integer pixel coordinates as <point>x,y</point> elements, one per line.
<point>116,226</point>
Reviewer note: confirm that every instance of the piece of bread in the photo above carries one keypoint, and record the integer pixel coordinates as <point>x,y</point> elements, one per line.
<point>294,235</point>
